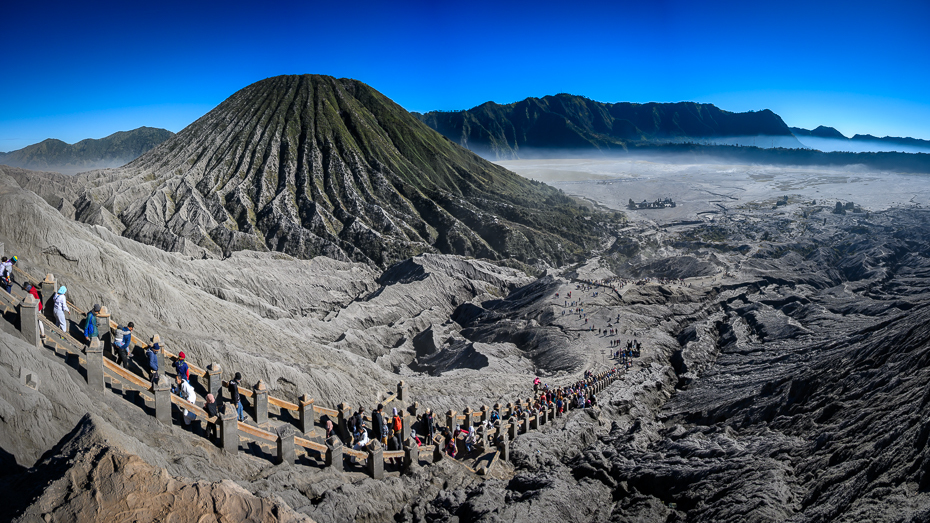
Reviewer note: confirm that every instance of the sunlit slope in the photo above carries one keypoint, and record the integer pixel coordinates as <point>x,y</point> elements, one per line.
<point>313,165</point>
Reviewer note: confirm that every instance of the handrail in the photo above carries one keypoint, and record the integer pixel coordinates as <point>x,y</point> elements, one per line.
<point>309,444</point>
<point>286,405</point>
<point>61,334</point>
<point>125,374</point>
<point>181,402</point>
<point>324,410</point>
<point>358,454</point>
<point>117,372</point>
<point>257,433</point>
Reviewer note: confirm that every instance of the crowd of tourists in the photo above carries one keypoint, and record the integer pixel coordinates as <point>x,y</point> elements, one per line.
<point>385,428</point>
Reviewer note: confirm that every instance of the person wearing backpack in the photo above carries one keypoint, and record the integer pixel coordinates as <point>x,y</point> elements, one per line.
<point>152,354</point>
<point>185,391</point>
<point>90,323</point>
<point>234,395</point>
<point>180,366</point>
<point>397,424</point>
<point>6,284</point>
<point>121,340</point>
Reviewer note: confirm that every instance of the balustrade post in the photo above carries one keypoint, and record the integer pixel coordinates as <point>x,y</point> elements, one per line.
<point>375,460</point>
<point>402,391</point>
<point>286,451</point>
<point>468,414</point>
<point>48,289</point>
<point>260,400</point>
<point>333,456</point>
<point>94,367</point>
<point>305,413</point>
<point>102,320</point>
<point>450,420</point>
<point>485,414</point>
<point>162,401</point>
<point>215,380</point>
<point>229,429</point>
<point>504,448</point>
<point>29,321</point>
<point>512,429</point>
<point>411,455</point>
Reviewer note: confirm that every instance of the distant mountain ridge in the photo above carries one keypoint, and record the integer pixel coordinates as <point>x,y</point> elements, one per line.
<point>114,150</point>
<point>313,165</point>
<point>830,132</point>
<point>569,122</point>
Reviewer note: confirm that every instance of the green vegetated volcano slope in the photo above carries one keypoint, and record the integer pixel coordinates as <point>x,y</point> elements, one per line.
<point>577,123</point>
<point>111,151</point>
<point>313,165</point>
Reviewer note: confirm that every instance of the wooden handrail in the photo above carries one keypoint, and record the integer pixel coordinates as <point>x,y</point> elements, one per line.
<point>357,454</point>
<point>63,335</point>
<point>308,444</point>
<point>286,405</point>
<point>257,433</point>
<point>324,410</point>
<point>126,375</point>
<point>183,403</point>
<point>117,372</point>
<point>242,390</point>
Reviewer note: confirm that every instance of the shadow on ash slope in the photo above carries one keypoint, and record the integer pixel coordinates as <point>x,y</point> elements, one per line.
<point>785,381</point>
<point>801,393</point>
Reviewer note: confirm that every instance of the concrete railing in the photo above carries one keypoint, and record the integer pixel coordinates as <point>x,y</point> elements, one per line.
<point>285,438</point>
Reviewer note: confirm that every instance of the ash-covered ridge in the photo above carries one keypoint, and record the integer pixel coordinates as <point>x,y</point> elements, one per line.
<point>313,165</point>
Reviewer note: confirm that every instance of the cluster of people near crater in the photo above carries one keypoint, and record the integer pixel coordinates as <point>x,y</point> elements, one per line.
<point>387,429</point>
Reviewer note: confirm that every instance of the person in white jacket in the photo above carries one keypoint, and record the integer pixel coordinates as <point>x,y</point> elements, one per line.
<point>61,307</point>
<point>186,391</point>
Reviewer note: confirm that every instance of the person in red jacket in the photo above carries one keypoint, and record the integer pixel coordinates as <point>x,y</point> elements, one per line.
<point>35,294</point>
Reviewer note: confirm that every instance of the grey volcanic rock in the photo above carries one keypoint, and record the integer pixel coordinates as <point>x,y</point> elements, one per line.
<point>313,165</point>
<point>89,476</point>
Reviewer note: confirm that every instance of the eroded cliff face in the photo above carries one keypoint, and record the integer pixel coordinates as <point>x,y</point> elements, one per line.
<point>317,166</point>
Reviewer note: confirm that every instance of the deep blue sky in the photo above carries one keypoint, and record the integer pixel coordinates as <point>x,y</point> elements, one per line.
<point>85,70</point>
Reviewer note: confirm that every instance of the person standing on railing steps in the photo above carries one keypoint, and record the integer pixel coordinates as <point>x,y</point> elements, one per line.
<point>6,284</point>
<point>121,340</point>
<point>180,366</point>
<point>6,269</point>
<point>212,411</point>
<point>234,395</point>
<point>184,390</point>
<point>152,354</point>
<point>356,426</point>
<point>378,426</point>
<point>90,323</point>
<point>61,308</point>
